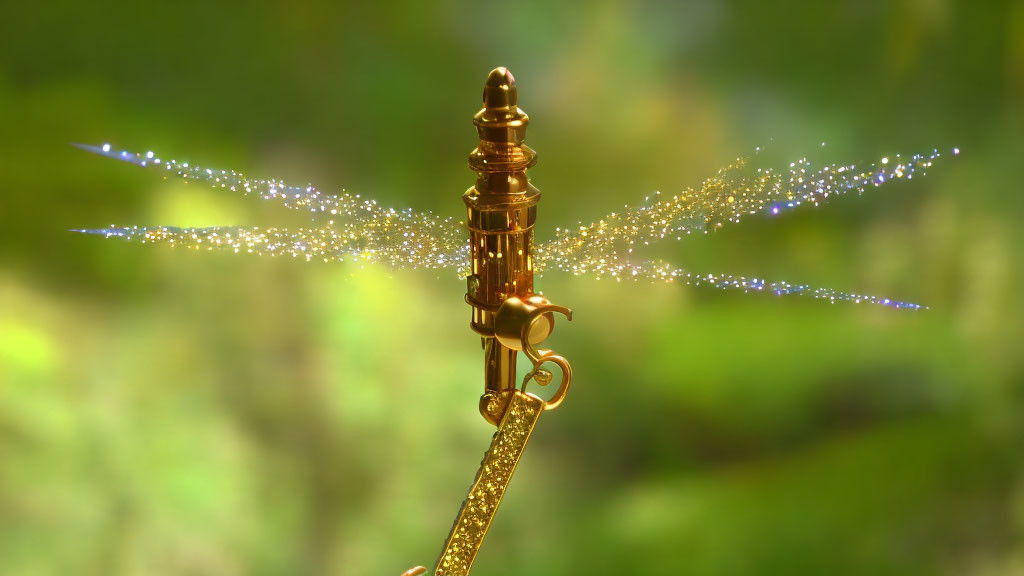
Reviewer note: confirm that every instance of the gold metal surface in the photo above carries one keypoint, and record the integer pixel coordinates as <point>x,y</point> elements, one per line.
<point>522,322</point>
<point>491,481</point>
<point>500,211</point>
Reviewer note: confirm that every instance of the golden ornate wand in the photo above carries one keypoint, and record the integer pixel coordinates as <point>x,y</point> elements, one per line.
<point>501,209</point>
<point>500,212</point>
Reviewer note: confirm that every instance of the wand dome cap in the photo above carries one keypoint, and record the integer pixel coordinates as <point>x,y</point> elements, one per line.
<point>500,89</point>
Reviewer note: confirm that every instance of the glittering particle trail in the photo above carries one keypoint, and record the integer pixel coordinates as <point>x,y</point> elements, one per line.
<point>734,192</point>
<point>290,196</point>
<point>394,245</point>
<point>345,226</point>
<point>606,247</point>
<point>664,272</point>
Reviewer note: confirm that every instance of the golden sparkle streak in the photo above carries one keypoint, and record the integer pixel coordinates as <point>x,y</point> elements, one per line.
<point>345,226</point>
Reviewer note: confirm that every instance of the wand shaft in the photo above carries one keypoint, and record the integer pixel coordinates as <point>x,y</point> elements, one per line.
<point>500,212</point>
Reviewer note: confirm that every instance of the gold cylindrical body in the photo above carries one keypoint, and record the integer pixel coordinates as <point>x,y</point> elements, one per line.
<point>500,212</point>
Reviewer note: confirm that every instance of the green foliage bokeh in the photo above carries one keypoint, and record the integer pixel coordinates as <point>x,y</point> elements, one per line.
<point>173,412</point>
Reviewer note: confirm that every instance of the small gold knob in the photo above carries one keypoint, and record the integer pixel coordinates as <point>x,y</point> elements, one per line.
<point>500,89</point>
<point>523,322</point>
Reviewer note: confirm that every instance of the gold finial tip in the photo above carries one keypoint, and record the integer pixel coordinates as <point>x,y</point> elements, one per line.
<point>500,76</point>
<point>500,89</point>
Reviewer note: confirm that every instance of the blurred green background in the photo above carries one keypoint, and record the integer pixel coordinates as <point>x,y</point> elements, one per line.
<point>170,412</point>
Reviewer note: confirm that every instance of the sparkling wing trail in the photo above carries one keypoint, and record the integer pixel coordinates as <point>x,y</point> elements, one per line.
<point>290,196</point>
<point>606,247</point>
<point>400,244</point>
<point>734,192</point>
<point>347,227</point>
<point>665,272</point>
